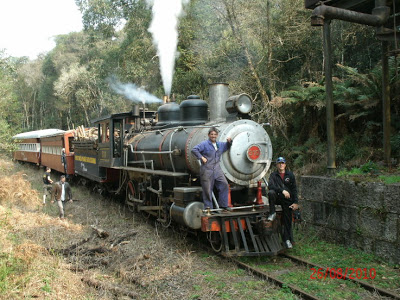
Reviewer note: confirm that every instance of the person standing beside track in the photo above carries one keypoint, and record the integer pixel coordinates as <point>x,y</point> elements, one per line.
<point>46,184</point>
<point>283,191</point>
<point>64,161</point>
<point>61,190</point>
<point>209,153</point>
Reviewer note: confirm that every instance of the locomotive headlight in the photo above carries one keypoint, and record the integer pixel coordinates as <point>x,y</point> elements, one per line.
<point>239,103</point>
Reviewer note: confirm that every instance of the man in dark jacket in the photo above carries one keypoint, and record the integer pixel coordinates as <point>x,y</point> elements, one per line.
<point>61,191</point>
<point>46,184</point>
<point>283,191</point>
<point>209,153</point>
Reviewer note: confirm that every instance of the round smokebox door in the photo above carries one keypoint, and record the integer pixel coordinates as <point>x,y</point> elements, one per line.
<point>245,153</point>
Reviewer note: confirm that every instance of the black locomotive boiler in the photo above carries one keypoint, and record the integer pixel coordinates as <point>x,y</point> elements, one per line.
<point>152,162</point>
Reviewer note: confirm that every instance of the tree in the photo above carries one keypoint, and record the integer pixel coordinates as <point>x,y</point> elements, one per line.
<point>77,87</point>
<point>9,112</point>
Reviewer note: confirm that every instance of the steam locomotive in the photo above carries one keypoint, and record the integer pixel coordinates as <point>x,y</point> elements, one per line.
<point>150,161</point>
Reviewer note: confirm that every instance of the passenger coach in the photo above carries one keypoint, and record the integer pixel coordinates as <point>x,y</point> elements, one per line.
<point>44,148</point>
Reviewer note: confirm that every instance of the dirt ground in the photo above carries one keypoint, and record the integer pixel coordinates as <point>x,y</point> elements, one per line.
<point>129,256</point>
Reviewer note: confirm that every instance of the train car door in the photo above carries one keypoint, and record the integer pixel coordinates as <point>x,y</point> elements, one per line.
<point>117,142</point>
<point>104,144</point>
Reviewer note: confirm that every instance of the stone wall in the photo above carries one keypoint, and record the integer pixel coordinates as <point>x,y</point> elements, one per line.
<point>362,215</point>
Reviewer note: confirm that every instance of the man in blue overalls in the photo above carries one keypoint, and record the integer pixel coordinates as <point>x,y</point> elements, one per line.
<point>209,153</point>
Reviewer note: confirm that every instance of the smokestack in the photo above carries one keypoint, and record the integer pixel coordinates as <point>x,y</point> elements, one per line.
<point>219,93</point>
<point>135,110</point>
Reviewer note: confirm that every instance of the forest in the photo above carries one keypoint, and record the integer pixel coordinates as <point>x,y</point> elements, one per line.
<point>265,48</point>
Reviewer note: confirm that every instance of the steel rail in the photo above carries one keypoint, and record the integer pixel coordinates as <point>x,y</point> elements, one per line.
<point>295,290</point>
<point>365,285</point>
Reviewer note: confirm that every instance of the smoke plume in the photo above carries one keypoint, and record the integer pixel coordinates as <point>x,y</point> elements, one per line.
<point>164,28</point>
<point>131,91</point>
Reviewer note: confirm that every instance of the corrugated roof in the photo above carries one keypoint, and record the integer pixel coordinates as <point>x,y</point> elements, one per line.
<point>38,134</point>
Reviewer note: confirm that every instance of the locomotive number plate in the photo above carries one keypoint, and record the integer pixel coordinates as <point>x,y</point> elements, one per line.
<point>253,152</point>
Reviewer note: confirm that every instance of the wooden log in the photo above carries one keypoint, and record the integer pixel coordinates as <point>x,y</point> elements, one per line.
<point>100,232</point>
<point>76,269</point>
<point>67,251</point>
<point>94,251</point>
<point>74,246</point>
<point>81,132</point>
<point>122,239</point>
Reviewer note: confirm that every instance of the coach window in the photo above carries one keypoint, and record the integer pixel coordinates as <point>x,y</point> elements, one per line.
<point>117,138</point>
<point>105,132</point>
<point>70,144</point>
<point>99,133</point>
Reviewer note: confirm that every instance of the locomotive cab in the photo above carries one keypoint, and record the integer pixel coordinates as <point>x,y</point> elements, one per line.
<point>110,139</point>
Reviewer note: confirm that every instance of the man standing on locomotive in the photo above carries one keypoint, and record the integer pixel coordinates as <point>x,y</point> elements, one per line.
<point>283,191</point>
<point>209,153</point>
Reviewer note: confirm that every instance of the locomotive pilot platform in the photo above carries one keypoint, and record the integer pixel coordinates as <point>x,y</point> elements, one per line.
<point>243,233</point>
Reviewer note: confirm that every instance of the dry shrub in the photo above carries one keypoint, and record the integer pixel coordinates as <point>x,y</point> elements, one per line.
<point>28,251</point>
<point>37,224</point>
<point>5,165</point>
<point>44,276</point>
<point>15,189</point>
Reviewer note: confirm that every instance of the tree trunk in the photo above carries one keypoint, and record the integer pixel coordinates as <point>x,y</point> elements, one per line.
<point>274,116</point>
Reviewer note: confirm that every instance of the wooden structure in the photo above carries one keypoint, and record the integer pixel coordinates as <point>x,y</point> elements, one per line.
<point>384,15</point>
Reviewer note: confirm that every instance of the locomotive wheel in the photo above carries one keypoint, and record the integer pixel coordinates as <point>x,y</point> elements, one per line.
<point>98,189</point>
<point>166,222</point>
<point>130,195</point>
<point>215,239</point>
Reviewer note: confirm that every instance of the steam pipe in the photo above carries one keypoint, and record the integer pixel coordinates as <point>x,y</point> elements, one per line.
<point>330,114</point>
<point>386,103</point>
<point>379,16</point>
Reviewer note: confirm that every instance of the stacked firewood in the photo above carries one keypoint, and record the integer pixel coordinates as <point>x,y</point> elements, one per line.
<point>81,133</point>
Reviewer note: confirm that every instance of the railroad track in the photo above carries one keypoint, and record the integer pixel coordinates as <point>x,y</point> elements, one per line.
<point>365,285</point>
<point>298,291</point>
<point>295,290</point>
<point>299,261</point>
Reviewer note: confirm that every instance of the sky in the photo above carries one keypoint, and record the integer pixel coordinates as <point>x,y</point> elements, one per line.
<point>27,27</point>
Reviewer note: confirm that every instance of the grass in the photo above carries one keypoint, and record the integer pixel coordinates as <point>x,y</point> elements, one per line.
<point>311,248</point>
<point>222,283</point>
<point>9,267</point>
<point>324,289</point>
<point>46,285</point>
<point>369,172</point>
<point>351,172</point>
<point>390,179</point>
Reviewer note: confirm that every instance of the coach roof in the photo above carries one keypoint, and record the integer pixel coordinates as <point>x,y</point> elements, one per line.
<point>38,134</point>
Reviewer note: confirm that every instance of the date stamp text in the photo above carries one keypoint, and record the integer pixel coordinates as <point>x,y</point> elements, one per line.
<point>343,273</point>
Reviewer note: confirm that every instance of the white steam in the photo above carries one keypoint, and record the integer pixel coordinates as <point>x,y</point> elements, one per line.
<point>164,28</point>
<point>131,91</point>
